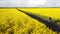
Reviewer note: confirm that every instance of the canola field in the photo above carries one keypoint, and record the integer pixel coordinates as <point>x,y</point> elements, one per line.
<point>13,21</point>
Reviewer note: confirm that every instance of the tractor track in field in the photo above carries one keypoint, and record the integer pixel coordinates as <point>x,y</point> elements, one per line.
<point>49,24</point>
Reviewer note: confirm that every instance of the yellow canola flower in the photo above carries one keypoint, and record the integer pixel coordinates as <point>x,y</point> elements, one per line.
<point>14,22</point>
<point>50,12</point>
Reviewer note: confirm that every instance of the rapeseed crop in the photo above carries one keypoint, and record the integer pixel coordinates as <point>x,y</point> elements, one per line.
<point>14,22</point>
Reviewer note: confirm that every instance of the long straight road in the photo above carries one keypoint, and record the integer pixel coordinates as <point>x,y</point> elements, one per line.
<point>49,24</point>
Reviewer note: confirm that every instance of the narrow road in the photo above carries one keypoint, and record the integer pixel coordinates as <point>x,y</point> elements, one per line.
<point>49,24</point>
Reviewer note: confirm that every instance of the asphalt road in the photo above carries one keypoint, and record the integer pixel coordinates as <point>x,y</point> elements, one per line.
<point>48,23</point>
